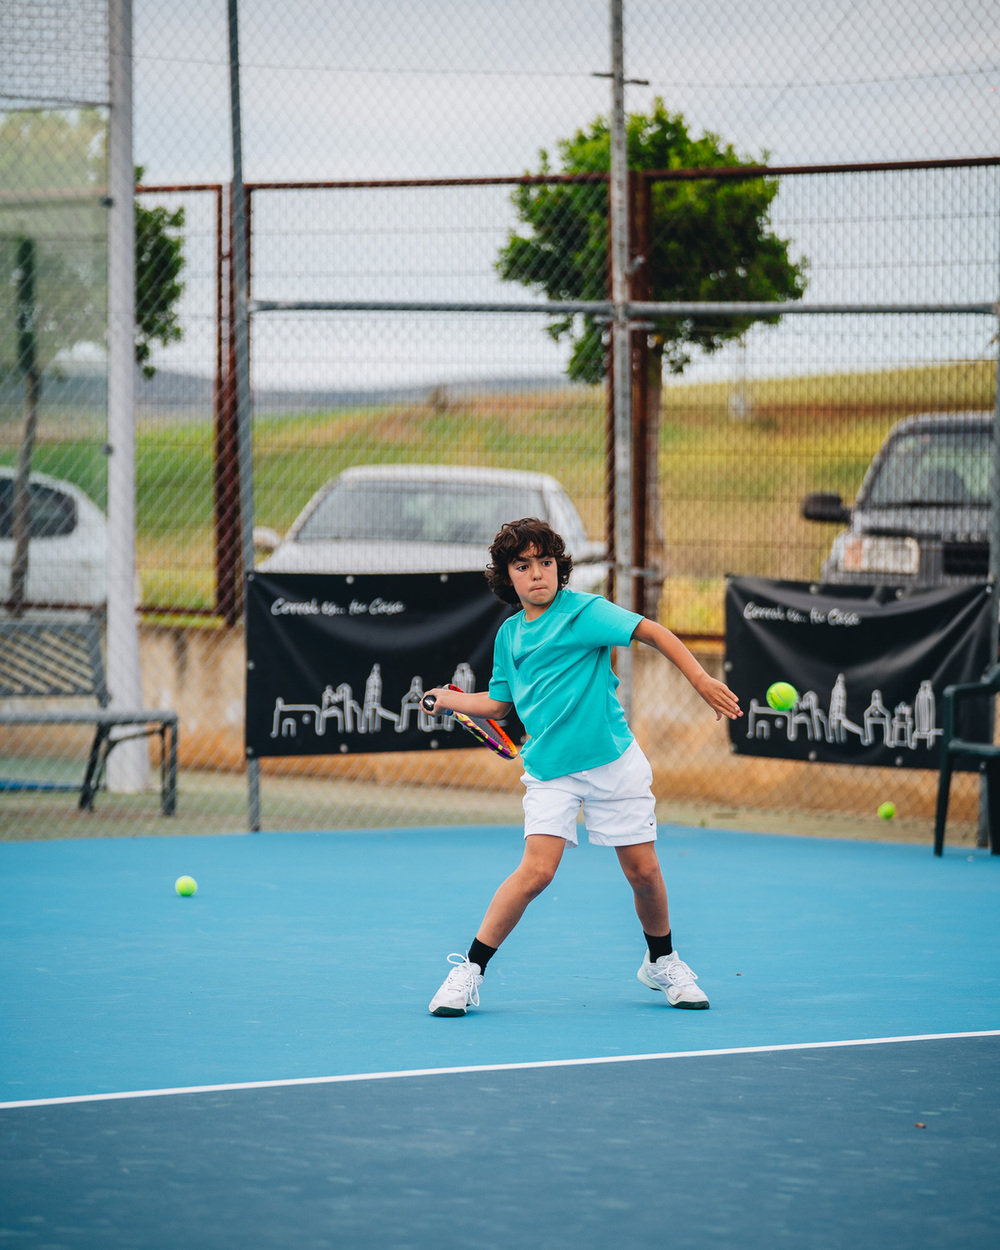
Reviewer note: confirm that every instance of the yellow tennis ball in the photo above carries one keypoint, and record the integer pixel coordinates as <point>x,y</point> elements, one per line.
<point>781,695</point>
<point>886,810</point>
<point>186,886</point>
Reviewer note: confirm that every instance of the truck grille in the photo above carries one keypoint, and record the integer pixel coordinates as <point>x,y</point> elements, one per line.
<point>966,559</point>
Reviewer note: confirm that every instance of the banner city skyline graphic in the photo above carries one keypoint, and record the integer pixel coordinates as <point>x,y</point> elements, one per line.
<point>870,664</point>
<point>368,716</point>
<point>339,664</point>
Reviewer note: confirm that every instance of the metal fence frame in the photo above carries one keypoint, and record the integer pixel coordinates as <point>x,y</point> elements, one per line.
<point>229,556</point>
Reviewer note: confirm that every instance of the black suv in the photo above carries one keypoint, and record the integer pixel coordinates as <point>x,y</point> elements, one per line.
<point>922,515</point>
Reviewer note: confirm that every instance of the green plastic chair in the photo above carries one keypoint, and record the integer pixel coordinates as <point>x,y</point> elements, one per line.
<point>953,748</point>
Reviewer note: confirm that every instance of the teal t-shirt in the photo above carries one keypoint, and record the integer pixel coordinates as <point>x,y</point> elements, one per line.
<point>556,670</point>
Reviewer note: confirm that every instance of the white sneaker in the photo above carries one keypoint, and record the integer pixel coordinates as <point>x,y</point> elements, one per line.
<point>672,975</point>
<point>460,989</point>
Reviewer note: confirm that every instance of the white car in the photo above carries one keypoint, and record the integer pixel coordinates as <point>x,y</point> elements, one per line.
<point>67,547</point>
<point>426,519</point>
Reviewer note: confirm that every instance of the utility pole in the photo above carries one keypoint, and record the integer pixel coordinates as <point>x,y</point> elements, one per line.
<point>128,765</point>
<point>241,350</point>
<point>622,356</point>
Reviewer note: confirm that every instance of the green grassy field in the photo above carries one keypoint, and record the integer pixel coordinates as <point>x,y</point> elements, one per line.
<point>730,488</point>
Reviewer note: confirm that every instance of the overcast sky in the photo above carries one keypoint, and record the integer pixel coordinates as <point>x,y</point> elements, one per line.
<point>452,88</point>
<point>436,88</point>
<point>396,88</point>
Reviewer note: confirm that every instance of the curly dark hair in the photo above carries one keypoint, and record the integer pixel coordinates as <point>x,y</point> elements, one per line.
<point>513,540</point>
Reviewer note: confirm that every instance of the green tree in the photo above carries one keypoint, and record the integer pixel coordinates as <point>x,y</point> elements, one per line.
<point>53,269</point>
<point>52,169</point>
<point>159,259</point>
<point>708,241</point>
<point>711,240</point>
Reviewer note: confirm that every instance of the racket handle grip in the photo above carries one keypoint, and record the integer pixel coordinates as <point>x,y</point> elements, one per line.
<point>429,701</point>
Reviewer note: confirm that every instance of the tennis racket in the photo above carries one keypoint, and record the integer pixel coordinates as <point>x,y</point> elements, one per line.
<point>486,731</point>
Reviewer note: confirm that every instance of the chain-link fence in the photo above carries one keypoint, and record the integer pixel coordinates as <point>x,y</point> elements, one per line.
<point>407,162</point>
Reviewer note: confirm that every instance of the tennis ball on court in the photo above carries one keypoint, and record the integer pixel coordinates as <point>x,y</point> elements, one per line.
<point>886,810</point>
<point>782,696</point>
<point>186,886</point>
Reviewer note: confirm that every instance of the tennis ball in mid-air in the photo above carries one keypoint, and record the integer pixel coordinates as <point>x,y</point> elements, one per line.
<point>781,695</point>
<point>186,886</point>
<point>886,810</point>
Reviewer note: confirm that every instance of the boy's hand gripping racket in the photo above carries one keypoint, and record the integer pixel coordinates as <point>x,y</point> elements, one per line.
<point>486,731</point>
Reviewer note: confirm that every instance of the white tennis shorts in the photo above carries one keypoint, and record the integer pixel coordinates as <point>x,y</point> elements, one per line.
<point>618,804</point>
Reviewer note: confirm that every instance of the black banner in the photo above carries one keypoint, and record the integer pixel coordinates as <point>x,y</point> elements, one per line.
<point>338,663</point>
<point>869,663</point>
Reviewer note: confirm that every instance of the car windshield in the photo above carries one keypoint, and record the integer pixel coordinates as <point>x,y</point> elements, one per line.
<point>53,514</point>
<point>936,468</point>
<point>436,512</point>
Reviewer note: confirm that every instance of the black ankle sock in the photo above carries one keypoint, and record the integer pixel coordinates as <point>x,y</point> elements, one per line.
<point>481,954</point>
<point>657,946</point>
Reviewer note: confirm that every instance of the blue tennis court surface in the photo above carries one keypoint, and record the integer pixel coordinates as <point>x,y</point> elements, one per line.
<point>310,958</point>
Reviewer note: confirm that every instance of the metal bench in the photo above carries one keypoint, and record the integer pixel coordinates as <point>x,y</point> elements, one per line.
<point>62,659</point>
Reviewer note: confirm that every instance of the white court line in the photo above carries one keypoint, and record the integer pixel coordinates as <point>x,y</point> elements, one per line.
<point>487,1067</point>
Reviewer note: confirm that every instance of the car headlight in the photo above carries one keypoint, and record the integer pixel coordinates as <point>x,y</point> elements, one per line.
<point>870,553</point>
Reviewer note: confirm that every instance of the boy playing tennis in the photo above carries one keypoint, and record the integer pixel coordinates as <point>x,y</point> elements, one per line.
<point>552,662</point>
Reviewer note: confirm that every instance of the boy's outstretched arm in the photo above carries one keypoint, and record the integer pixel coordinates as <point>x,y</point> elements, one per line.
<point>716,694</point>
<point>471,704</point>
